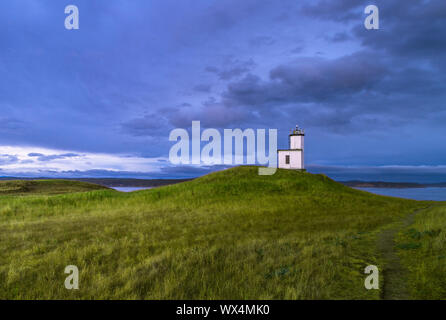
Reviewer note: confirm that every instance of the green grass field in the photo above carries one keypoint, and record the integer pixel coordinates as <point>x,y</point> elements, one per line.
<point>228,235</point>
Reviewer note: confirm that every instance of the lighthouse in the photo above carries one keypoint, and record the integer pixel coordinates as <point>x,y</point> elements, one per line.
<point>293,158</point>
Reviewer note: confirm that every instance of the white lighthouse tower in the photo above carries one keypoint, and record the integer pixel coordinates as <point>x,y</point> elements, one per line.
<point>293,158</point>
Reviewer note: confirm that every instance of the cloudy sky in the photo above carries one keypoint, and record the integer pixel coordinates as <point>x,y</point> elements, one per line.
<point>102,100</point>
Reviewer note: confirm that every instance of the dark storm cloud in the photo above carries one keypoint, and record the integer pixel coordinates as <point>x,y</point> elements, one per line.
<point>366,90</point>
<point>337,91</point>
<point>408,30</point>
<point>310,80</point>
<point>411,46</point>
<point>328,93</point>
<point>385,84</point>
<point>412,31</point>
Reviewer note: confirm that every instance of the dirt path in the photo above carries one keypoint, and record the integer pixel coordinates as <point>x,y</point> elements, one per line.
<point>395,275</point>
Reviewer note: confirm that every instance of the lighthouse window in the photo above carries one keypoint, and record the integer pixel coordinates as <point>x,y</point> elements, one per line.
<point>287,159</point>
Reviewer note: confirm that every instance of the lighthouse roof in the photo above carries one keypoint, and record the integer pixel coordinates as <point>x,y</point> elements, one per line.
<point>297,132</point>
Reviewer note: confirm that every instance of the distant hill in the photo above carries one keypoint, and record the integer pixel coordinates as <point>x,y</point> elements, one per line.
<point>126,182</point>
<point>381,184</point>
<point>110,182</point>
<point>47,187</point>
<point>116,182</point>
<point>143,183</point>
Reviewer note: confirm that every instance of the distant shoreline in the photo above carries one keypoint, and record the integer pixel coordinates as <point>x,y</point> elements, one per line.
<point>113,182</point>
<point>391,185</point>
<point>144,183</point>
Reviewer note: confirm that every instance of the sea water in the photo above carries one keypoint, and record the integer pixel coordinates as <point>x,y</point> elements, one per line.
<point>436,194</point>
<point>130,189</point>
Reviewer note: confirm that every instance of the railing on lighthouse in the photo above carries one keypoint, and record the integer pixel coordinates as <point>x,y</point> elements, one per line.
<point>297,130</point>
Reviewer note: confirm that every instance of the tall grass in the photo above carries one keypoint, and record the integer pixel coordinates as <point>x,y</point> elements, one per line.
<point>422,247</point>
<point>228,235</point>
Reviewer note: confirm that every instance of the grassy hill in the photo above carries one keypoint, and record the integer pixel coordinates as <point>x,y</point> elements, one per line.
<point>45,187</point>
<point>228,235</point>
